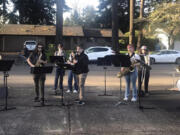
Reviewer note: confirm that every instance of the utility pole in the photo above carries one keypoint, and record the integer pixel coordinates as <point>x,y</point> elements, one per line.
<point>115,34</point>
<point>131,24</point>
<point>59,21</point>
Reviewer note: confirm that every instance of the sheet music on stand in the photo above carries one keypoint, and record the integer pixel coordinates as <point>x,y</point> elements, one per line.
<point>42,70</point>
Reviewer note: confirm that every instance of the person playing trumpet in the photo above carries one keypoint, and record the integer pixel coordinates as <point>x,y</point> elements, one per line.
<point>38,59</point>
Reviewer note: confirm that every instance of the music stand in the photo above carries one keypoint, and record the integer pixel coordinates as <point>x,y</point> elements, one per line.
<point>141,107</point>
<point>57,59</point>
<point>5,66</point>
<point>105,61</point>
<point>41,70</point>
<point>120,60</point>
<point>60,61</point>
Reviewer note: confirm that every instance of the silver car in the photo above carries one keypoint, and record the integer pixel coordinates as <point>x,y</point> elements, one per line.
<point>96,52</point>
<point>30,45</point>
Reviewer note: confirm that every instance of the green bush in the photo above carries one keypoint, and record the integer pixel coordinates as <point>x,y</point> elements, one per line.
<point>50,51</point>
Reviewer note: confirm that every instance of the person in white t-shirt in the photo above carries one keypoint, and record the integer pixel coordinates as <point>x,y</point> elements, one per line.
<point>131,77</point>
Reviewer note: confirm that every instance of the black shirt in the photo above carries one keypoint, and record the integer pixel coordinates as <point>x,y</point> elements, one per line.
<point>82,65</point>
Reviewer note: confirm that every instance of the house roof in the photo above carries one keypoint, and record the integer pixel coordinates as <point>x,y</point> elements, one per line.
<point>39,30</point>
<point>91,32</point>
<point>50,30</point>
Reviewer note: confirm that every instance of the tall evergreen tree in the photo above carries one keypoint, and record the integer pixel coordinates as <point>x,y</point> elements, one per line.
<point>34,11</point>
<point>3,11</point>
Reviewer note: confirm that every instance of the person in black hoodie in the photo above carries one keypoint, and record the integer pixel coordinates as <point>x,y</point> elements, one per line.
<point>81,70</point>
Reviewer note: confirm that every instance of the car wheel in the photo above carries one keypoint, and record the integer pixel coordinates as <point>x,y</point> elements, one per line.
<point>178,61</point>
<point>152,60</point>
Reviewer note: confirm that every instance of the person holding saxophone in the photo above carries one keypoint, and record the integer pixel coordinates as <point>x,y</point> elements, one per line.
<point>38,59</point>
<point>131,76</point>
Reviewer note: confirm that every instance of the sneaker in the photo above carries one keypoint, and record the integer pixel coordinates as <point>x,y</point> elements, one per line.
<point>75,91</point>
<point>81,103</point>
<point>36,99</point>
<point>125,99</point>
<point>68,91</point>
<point>133,99</point>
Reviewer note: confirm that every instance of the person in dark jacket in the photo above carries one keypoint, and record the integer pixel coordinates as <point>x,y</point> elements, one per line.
<point>81,70</point>
<point>38,59</point>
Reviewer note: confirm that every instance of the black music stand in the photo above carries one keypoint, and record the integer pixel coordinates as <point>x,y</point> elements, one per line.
<point>57,59</point>
<point>105,61</point>
<point>120,60</point>
<point>41,70</point>
<point>60,61</point>
<point>5,66</point>
<point>141,107</point>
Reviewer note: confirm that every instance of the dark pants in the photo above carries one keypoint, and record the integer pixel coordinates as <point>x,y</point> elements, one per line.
<point>143,75</point>
<point>59,75</point>
<point>39,81</point>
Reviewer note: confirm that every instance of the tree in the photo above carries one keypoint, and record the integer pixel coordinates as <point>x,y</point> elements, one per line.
<point>166,17</point>
<point>3,11</point>
<point>115,35</point>
<point>131,23</point>
<point>34,11</point>
<point>59,21</point>
<point>140,35</point>
<point>104,18</point>
<point>89,17</point>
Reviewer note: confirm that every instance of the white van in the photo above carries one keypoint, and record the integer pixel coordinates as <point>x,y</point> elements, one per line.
<point>30,45</point>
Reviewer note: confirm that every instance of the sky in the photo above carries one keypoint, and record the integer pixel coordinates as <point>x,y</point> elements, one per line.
<point>80,4</point>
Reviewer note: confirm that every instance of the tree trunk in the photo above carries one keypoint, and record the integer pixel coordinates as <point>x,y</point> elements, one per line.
<point>140,36</point>
<point>59,21</point>
<point>115,36</point>
<point>131,24</point>
<point>4,12</point>
<point>171,42</point>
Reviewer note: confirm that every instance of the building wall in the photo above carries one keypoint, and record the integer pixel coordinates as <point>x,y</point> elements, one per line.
<point>15,43</point>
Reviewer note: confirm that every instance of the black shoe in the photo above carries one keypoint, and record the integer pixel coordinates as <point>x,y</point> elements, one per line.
<point>36,99</point>
<point>81,103</point>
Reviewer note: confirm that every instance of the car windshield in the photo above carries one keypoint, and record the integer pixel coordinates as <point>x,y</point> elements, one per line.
<point>30,43</point>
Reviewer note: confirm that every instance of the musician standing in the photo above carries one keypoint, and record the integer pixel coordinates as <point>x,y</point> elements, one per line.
<point>59,71</point>
<point>38,59</point>
<point>81,71</point>
<point>144,72</point>
<point>72,75</point>
<point>131,77</point>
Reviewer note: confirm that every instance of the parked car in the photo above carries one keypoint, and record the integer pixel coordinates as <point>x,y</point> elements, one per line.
<point>166,56</point>
<point>30,45</point>
<point>96,52</point>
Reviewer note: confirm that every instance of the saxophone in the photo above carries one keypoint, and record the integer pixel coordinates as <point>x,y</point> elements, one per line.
<point>127,70</point>
<point>38,62</point>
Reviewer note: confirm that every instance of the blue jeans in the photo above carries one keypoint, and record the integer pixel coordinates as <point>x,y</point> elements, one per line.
<point>71,75</point>
<point>131,78</point>
<point>59,75</point>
